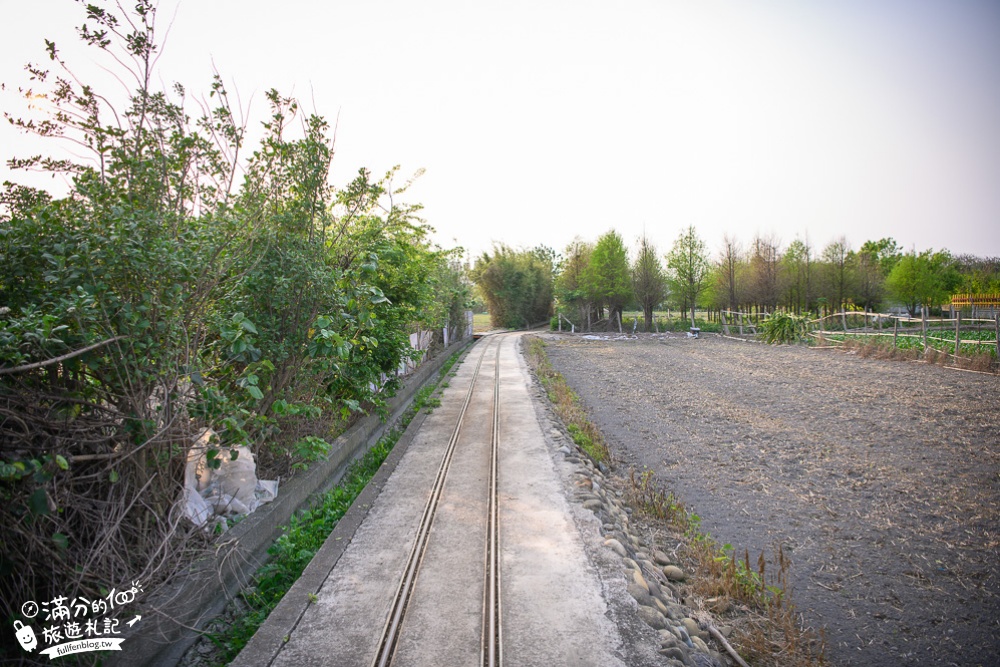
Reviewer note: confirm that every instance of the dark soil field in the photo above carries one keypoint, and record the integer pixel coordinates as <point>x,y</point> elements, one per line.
<point>881,479</point>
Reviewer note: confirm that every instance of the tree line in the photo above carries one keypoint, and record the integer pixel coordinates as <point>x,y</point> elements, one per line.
<point>184,282</point>
<point>593,282</point>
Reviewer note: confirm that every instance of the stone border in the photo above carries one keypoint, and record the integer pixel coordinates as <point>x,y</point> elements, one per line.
<point>172,619</point>
<point>651,577</point>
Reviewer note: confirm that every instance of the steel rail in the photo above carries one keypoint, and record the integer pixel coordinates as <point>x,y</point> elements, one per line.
<point>492,653</point>
<point>391,630</point>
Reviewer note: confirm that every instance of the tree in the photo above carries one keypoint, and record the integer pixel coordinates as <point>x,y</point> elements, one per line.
<point>764,257</point>
<point>608,279</point>
<point>648,280</point>
<point>570,284</point>
<point>688,269</point>
<point>517,285</point>
<point>874,262</point>
<point>840,272</point>
<point>921,280</point>
<point>729,273</point>
<point>162,297</point>
<point>796,269</point>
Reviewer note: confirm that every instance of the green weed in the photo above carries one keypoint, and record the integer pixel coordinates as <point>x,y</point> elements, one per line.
<point>566,404</point>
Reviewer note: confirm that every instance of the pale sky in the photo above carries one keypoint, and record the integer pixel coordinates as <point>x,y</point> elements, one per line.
<point>538,121</point>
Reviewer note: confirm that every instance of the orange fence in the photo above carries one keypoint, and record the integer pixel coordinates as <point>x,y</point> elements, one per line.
<point>977,300</point>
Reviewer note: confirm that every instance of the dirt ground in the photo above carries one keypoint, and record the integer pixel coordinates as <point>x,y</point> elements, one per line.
<point>881,479</point>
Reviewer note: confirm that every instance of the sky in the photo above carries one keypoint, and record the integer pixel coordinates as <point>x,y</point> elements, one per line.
<point>539,121</point>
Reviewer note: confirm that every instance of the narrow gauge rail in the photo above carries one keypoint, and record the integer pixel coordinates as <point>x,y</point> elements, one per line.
<point>491,654</point>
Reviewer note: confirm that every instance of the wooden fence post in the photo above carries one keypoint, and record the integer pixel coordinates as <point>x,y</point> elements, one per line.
<point>725,325</point>
<point>958,337</point>
<point>923,325</point>
<point>843,319</point>
<point>895,331</point>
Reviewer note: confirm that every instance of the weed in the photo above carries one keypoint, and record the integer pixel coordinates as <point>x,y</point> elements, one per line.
<point>772,633</point>
<point>566,404</point>
<point>306,533</point>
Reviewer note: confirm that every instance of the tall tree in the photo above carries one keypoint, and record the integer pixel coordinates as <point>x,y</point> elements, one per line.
<point>840,274</point>
<point>517,285</point>
<point>648,280</point>
<point>729,270</point>
<point>608,279</point>
<point>873,263</point>
<point>764,256</point>
<point>923,279</point>
<point>796,265</point>
<point>688,269</point>
<point>570,286</point>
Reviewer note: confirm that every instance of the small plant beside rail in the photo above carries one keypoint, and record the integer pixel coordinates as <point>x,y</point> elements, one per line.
<point>307,532</point>
<point>566,404</point>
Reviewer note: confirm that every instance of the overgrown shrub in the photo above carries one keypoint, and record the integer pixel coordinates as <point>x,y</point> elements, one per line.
<point>161,296</point>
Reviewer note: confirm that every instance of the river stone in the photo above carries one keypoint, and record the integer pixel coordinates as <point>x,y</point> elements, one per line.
<point>693,629</point>
<point>652,618</point>
<point>700,644</point>
<point>675,653</point>
<point>662,608</point>
<point>654,588</point>
<point>640,580</point>
<point>667,638</point>
<point>616,546</point>
<point>593,504</point>
<point>660,558</point>
<point>640,595</point>
<point>674,573</point>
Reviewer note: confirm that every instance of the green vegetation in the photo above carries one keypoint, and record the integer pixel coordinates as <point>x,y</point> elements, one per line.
<point>186,281</point>
<point>926,279</point>
<point>306,533</point>
<point>782,327</point>
<point>567,405</point>
<point>649,283</point>
<point>516,285</point>
<point>607,279</point>
<point>772,633</point>
<point>688,270</point>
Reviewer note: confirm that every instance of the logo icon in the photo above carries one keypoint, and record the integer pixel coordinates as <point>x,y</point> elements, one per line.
<point>25,636</point>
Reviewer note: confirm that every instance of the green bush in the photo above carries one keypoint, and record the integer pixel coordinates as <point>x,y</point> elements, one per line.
<point>162,296</point>
<point>783,328</point>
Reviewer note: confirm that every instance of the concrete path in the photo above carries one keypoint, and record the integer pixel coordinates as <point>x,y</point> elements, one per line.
<point>563,599</point>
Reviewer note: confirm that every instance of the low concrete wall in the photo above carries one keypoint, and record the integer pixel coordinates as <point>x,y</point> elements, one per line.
<point>172,617</point>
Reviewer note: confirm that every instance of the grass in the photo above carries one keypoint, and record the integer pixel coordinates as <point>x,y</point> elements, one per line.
<point>769,631</point>
<point>306,533</point>
<point>566,404</point>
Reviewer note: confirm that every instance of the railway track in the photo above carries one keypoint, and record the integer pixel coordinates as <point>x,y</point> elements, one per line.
<point>491,652</point>
<point>417,582</point>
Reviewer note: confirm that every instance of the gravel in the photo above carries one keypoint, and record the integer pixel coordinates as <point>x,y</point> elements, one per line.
<point>880,479</point>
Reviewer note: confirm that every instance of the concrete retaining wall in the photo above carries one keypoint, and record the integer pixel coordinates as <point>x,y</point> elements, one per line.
<point>174,613</point>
